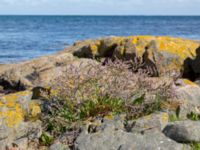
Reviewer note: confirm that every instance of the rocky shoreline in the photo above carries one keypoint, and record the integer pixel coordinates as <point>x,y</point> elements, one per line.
<point>139,92</point>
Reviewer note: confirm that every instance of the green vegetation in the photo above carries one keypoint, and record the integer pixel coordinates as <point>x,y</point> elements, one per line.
<point>68,114</point>
<point>173,117</point>
<point>98,93</point>
<point>46,139</point>
<point>195,146</point>
<point>193,116</point>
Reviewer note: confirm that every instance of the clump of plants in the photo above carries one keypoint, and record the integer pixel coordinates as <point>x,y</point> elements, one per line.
<point>193,116</point>
<point>195,146</point>
<point>90,90</point>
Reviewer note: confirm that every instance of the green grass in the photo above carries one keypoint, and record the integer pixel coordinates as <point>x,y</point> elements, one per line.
<point>101,107</point>
<point>195,146</point>
<point>46,139</point>
<point>69,115</point>
<point>193,116</point>
<point>173,117</point>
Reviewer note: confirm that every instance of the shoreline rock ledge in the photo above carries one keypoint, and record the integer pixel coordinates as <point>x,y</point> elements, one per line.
<point>166,53</point>
<point>21,106</point>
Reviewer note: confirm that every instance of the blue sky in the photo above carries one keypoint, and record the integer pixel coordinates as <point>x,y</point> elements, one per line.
<point>101,7</point>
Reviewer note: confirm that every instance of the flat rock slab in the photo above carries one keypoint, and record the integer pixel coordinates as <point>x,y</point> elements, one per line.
<point>113,135</point>
<point>120,140</point>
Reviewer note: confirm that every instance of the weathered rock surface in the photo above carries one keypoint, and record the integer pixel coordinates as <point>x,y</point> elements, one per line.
<point>154,121</point>
<point>59,146</point>
<point>113,135</point>
<point>33,73</point>
<point>184,131</point>
<point>189,98</point>
<point>14,128</point>
<point>39,72</point>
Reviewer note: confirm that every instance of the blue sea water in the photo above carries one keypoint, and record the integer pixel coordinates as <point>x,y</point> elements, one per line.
<point>26,37</point>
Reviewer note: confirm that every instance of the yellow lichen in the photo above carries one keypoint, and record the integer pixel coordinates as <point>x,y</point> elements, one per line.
<point>165,117</point>
<point>109,117</point>
<point>188,82</point>
<point>1,104</point>
<point>11,110</point>
<point>16,96</point>
<point>35,110</point>
<point>182,48</point>
<point>12,117</point>
<point>94,49</point>
<point>148,117</point>
<point>10,104</point>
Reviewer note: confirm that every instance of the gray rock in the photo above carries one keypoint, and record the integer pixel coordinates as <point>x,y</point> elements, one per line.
<point>114,140</point>
<point>157,120</point>
<point>197,82</point>
<point>189,96</point>
<point>18,136</point>
<point>59,146</point>
<point>22,144</point>
<point>38,72</point>
<point>183,131</point>
<point>113,135</point>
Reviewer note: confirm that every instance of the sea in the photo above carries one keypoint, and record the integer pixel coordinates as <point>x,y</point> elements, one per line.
<point>25,37</point>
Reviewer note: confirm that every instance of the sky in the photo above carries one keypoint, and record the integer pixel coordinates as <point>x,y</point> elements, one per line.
<point>99,7</point>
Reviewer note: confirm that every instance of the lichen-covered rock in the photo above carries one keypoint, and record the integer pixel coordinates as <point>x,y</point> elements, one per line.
<point>166,53</point>
<point>13,108</point>
<point>14,126</point>
<point>184,131</point>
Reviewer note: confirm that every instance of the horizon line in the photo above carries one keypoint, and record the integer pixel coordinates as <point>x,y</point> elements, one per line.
<point>100,15</point>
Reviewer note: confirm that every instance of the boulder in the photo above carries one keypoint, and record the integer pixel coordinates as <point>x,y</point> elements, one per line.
<point>192,67</point>
<point>184,131</point>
